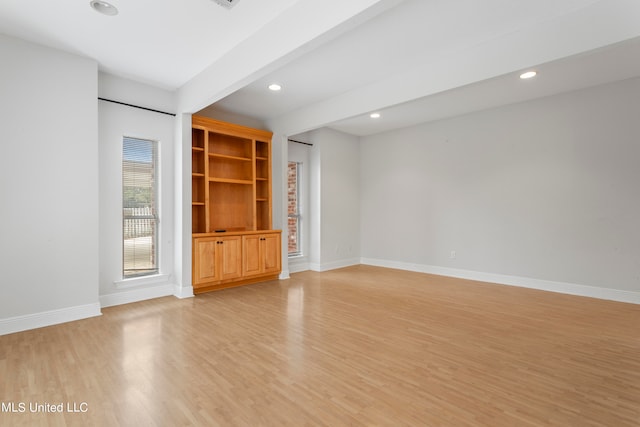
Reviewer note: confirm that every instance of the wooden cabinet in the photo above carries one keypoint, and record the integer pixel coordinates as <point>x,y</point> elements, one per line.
<point>217,259</point>
<point>231,197</point>
<point>261,254</point>
<point>224,260</point>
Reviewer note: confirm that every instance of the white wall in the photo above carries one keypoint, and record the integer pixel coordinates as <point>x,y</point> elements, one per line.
<point>335,200</point>
<point>132,92</point>
<point>117,121</point>
<point>546,189</point>
<point>48,186</point>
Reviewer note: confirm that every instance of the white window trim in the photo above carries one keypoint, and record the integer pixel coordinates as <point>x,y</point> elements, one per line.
<point>142,281</point>
<point>128,282</point>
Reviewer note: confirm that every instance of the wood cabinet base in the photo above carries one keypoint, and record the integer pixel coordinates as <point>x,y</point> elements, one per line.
<point>219,286</point>
<point>224,260</point>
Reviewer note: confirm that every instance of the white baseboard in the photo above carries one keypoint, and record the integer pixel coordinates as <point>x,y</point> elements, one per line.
<point>524,282</point>
<point>135,295</point>
<point>183,291</point>
<point>284,274</point>
<point>48,318</point>
<point>296,264</point>
<point>334,264</point>
<point>298,267</point>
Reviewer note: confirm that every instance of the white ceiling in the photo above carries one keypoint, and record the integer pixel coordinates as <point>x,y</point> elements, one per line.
<point>413,60</point>
<point>388,52</point>
<point>400,39</point>
<point>164,43</point>
<point>612,63</point>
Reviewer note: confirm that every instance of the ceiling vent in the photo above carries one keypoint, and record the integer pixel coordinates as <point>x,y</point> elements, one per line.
<point>227,4</point>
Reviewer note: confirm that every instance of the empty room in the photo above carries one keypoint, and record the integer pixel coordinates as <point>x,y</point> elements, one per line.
<point>320,213</point>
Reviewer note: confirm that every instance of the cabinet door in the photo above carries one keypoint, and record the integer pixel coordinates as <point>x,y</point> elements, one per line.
<point>230,258</point>
<point>251,255</point>
<point>270,245</point>
<point>261,254</point>
<point>204,257</point>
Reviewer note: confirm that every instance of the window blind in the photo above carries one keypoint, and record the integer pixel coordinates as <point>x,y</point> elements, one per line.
<point>139,207</point>
<point>293,208</point>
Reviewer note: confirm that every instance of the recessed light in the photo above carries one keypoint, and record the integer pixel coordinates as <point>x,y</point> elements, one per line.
<point>275,87</point>
<point>528,75</point>
<point>227,3</point>
<point>103,7</point>
<point>374,115</point>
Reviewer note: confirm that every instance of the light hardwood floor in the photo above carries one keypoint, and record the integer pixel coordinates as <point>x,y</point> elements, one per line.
<point>357,346</point>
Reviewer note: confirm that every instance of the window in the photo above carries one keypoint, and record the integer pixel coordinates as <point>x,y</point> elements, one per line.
<point>293,208</point>
<point>139,207</point>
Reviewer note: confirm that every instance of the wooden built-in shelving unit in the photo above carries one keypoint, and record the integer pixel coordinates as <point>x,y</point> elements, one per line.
<point>231,204</point>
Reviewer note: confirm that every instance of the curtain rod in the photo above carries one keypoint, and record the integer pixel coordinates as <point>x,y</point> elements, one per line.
<point>137,106</point>
<point>300,142</point>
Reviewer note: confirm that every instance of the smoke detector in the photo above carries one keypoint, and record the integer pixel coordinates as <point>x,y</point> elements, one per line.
<point>227,4</point>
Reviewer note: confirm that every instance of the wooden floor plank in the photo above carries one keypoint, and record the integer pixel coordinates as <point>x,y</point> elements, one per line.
<point>361,346</point>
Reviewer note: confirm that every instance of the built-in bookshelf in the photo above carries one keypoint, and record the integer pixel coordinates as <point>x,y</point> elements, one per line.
<point>231,197</point>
